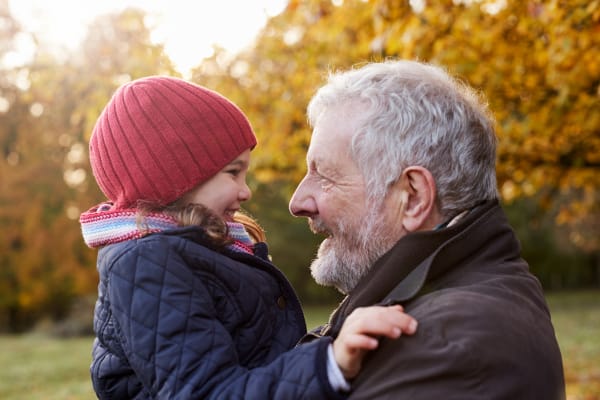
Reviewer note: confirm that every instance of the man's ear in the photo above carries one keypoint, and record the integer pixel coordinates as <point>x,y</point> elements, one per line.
<point>418,197</point>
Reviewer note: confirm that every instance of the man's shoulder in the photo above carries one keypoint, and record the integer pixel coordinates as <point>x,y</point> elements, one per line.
<point>488,306</point>
<point>470,343</point>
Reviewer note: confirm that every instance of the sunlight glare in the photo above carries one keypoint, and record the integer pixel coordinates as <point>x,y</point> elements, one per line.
<point>189,30</point>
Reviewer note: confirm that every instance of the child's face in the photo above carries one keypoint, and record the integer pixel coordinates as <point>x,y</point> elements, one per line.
<point>225,191</point>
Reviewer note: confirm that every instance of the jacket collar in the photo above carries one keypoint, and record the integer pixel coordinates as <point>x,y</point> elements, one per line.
<point>400,274</point>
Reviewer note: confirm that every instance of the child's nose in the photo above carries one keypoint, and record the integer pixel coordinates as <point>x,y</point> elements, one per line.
<point>245,193</point>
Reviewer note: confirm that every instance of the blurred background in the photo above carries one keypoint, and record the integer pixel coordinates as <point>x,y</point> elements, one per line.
<point>538,63</point>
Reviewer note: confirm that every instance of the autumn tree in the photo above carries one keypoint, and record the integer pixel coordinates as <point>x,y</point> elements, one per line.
<point>12,112</point>
<point>46,179</point>
<point>538,63</point>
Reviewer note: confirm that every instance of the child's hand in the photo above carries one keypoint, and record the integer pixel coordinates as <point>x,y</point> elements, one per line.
<point>360,331</point>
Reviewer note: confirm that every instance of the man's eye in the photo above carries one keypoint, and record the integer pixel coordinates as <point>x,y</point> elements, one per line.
<point>325,182</point>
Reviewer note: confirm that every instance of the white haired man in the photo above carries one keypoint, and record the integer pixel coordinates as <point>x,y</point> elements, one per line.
<point>401,179</point>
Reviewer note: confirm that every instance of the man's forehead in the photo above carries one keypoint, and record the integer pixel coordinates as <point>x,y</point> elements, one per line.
<point>331,133</point>
<point>332,159</point>
<point>327,148</point>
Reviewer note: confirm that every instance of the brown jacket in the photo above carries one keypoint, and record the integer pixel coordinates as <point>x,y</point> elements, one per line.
<point>484,327</point>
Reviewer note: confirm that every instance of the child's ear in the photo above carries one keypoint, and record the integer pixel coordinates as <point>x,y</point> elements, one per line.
<point>417,196</point>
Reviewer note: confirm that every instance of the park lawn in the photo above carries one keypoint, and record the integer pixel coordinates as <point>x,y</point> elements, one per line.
<point>36,367</point>
<point>39,367</point>
<point>576,318</point>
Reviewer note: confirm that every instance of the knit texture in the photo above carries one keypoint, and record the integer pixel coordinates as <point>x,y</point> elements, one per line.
<point>241,238</point>
<point>159,137</point>
<point>101,226</point>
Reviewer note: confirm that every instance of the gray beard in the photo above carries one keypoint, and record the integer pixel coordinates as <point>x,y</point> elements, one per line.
<point>343,260</point>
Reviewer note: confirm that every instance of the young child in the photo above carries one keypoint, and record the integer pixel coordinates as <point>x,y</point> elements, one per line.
<point>189,306</point>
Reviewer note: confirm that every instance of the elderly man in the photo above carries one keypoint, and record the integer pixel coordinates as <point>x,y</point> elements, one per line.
<point>401,179</point>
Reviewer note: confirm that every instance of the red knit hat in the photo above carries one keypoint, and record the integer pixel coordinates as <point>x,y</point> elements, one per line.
<point>159,137</point>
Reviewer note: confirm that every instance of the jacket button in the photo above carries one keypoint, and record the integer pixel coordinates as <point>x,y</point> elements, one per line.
<point>281,302</point>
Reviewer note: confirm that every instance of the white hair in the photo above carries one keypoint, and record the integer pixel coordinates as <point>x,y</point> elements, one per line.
<point>416,114</point>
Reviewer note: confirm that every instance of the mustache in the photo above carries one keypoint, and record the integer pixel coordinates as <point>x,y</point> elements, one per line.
<point>317,226</point>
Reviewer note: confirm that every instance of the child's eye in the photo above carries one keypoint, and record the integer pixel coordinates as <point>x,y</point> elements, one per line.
<point>233,172</point>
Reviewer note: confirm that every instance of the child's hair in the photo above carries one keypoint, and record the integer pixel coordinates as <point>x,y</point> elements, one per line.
<point>256,232</point>
<point>197,214</point>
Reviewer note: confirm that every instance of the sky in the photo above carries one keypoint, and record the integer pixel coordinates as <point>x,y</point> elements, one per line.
<point>232,24</point>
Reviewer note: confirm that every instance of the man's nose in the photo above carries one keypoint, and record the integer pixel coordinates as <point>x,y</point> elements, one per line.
<point>302,203</point>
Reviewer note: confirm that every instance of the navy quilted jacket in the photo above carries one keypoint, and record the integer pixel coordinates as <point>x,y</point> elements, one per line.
<point>176,320</point>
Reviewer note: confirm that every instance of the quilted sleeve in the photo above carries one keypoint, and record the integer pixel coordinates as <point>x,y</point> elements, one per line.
<point>177,346</point>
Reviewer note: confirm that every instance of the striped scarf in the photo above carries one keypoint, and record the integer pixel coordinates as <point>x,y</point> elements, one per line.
<point>101,226</point>
<point>241,240</point>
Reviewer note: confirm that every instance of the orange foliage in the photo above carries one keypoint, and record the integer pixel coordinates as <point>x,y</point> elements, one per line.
<point>538,62</point>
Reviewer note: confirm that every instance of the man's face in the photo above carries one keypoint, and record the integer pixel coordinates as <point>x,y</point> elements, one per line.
<point>333,196</point>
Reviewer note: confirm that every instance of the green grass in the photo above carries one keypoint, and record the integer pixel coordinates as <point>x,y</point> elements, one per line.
<point>36,367</point>
<point>576,318</point>
<point>40,367</point>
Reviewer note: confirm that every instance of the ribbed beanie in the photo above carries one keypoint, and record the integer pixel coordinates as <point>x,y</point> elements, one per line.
<point>159,137</point>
